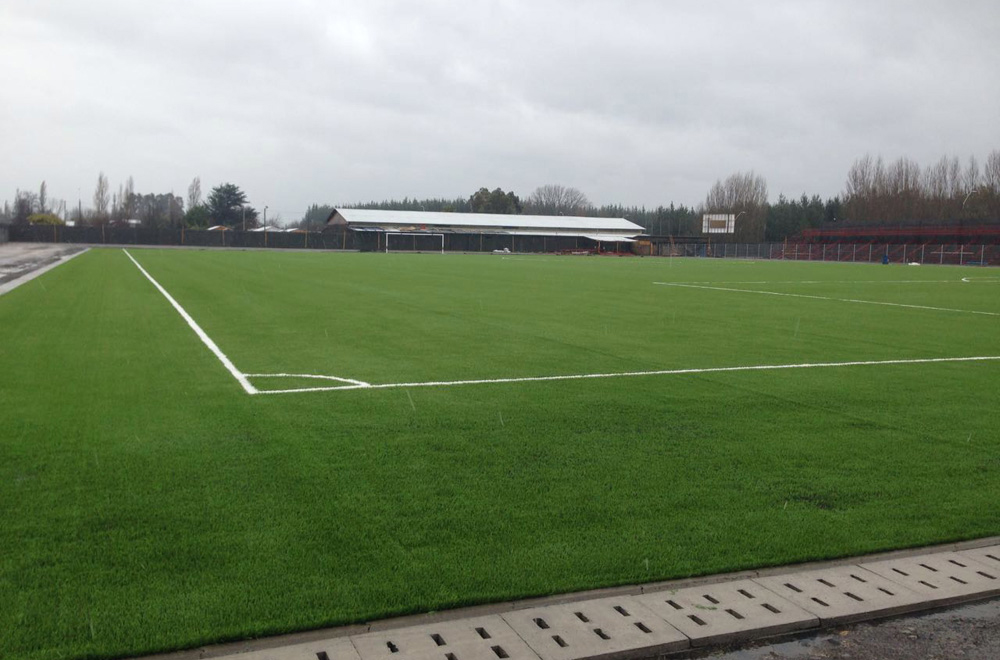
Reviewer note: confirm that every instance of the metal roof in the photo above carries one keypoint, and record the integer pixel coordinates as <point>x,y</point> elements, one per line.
<point>489,220</point>
<point>606,238</point>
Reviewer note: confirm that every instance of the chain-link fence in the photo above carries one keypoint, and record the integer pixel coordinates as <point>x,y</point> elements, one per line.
<point>4,234</point>
<point>923,253</point>
<point>109,235</point>
<point>325,240</point>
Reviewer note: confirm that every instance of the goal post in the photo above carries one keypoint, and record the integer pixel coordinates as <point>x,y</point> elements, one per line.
<point>413,241</point>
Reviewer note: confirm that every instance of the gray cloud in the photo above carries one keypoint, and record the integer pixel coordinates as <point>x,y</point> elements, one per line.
<point>645,102</point>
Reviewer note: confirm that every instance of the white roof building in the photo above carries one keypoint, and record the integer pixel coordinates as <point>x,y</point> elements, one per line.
<point>597,229</point>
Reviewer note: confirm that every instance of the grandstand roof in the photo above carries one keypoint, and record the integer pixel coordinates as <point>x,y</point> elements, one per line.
<point>484,222</point>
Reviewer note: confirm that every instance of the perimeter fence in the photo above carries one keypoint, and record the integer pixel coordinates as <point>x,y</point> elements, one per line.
<point>110,235</point>
<point>331,239</point>
<point>923,253</point>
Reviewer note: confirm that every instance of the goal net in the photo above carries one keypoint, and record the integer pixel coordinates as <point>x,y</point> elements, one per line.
<point>401,241</point>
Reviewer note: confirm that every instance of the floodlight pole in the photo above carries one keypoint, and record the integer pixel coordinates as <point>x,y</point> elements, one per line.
<point>735,219</point>
<point>265,216</point>
<point>971,193</point>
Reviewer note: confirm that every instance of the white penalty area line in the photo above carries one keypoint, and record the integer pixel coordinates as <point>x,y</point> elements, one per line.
<point>633,374</point>
<point>847,300</point>
<point>226,362</point>
<point>359,383</point>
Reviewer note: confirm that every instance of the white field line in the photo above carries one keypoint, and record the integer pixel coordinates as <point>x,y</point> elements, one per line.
<point>848,300</point>
<point>631,374</point>
<point>964,279</point>
<point>316,376</point>
<point>226,362</point>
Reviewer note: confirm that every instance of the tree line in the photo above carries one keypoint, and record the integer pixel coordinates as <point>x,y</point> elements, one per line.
<point>226,205</point>
<point>876,192</point>
<point>901,192</point>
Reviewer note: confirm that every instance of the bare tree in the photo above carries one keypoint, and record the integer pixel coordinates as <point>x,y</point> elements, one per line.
<point>175,210</point>
<point>557,200</point>
<point>101,198</point>
<point>971,176</point>
<point>990,191</point>
<point>742,194</point>
<point>194,193</point>
<point>902,192</point>
<point>118,205</point>
<point>127,200</point>
<point>25,204</point>
<point>860,190</point>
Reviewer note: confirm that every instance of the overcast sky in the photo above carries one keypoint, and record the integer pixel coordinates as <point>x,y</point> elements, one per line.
<point>634,102</point>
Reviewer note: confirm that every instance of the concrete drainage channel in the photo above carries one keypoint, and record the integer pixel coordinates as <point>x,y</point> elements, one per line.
<point>662,620</point>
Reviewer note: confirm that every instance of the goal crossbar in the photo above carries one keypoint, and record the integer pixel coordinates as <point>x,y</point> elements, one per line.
<point>414,234</point>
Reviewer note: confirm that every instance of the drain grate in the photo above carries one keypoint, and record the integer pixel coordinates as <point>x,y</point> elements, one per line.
<point>989,556</point>
<point>842,594</point>
<point>595,629</point>
<point>942,578</point>
<point>483,638</point>
<point>726,612</point>
<point>339,648</point>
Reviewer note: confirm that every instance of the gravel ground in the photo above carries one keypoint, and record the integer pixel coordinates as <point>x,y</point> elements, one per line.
<point>970,632</point>
<point>17,259</point>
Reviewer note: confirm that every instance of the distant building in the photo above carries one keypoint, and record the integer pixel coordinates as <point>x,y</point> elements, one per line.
<point>478,232</point>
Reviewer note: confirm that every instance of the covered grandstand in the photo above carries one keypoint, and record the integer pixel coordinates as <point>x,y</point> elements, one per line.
<point>481,232</point>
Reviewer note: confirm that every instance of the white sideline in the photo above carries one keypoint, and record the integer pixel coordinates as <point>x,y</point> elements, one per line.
<point>627,374</point>
<point>803,295</point>
<point>226,362</point>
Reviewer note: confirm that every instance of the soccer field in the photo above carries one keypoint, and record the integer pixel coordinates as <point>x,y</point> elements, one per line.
<point>208,445</point>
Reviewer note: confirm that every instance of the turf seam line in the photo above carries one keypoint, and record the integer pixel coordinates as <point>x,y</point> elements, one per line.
<point>849,300</point>
<point>632,374</point>
<point>226,362</point>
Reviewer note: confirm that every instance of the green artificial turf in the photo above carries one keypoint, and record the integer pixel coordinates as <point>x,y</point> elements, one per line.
<point>148,503</point>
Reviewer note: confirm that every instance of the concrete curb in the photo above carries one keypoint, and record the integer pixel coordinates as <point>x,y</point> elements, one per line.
<point>799,598</point>
<point>9,286</point>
